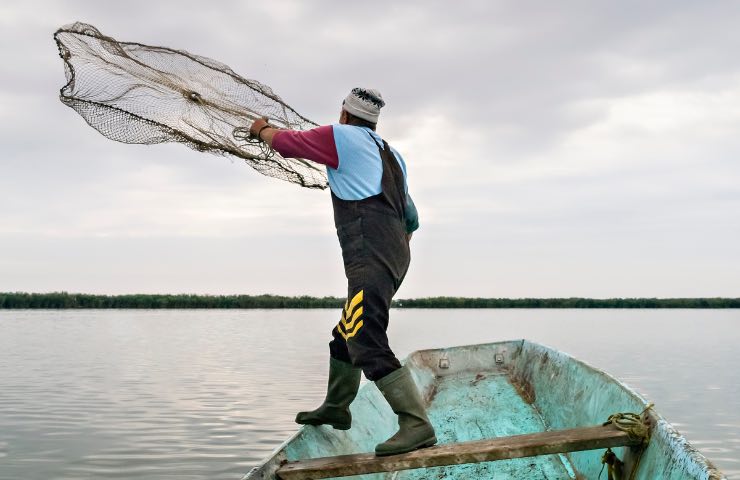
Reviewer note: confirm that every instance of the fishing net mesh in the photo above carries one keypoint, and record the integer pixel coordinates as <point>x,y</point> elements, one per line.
<point>136,93</point>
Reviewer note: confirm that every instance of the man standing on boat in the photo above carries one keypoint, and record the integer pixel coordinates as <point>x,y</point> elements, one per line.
<point>375,218</point>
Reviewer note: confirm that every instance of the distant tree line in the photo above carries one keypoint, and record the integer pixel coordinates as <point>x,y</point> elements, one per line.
<point>463,302</point>
<point>20,300</point>
<point>81,300</point>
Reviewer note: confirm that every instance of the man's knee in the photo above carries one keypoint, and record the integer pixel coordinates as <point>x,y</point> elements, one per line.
<point>338,349</point>
<point>375,365</point>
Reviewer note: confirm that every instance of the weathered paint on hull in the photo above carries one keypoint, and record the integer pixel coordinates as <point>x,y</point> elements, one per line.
<point>495,390</point>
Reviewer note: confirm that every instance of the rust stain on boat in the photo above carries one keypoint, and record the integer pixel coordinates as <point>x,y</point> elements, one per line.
<point>477,379</point>
<point>524,388</point>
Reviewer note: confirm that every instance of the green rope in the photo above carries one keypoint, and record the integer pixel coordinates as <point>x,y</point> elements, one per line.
<point>614,464</point>
<point>632,423</point>
<point>637,428</point>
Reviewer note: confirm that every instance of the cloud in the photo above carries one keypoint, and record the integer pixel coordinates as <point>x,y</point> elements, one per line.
<point>552,149</point>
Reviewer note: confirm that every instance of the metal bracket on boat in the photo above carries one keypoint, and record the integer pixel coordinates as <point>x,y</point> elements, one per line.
<point>499,358</point>
<point>444,362</point>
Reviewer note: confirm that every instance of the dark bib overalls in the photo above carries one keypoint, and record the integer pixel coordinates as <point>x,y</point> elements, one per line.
<point>372,234</point>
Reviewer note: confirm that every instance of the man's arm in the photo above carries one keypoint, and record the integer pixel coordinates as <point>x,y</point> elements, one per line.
<point>262,130</point>
<point>412,217</point>
<point>316,144</point>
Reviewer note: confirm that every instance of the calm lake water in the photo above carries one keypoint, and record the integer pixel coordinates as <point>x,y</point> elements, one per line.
<point>206,394</point>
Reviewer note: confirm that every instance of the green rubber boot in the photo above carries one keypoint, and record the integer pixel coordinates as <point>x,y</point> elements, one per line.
<point>344,380</point>
<point>414,431</point>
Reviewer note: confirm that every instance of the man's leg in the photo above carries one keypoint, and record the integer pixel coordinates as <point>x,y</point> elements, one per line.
<point>414,429</point>
<point>344,381</point>
<point>338,345</point>
<point>363,329</point>
<point>363,326</point>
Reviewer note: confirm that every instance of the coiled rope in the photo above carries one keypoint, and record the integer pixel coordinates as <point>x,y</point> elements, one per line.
<point>632,423</point>
<point>638,429</point>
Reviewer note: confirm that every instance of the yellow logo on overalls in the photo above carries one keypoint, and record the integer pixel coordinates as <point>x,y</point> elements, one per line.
<point>350,323</point>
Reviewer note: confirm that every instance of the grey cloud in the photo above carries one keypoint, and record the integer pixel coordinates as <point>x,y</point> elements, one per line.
<point>486,64</point>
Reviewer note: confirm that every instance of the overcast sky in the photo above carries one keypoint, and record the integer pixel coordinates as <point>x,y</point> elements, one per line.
<point>554,149</point>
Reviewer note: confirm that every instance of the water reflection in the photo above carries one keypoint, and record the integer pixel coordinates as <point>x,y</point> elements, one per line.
<point>207,394</point>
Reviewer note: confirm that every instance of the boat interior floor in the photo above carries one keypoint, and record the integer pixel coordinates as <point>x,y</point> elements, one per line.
<point>469,406</point>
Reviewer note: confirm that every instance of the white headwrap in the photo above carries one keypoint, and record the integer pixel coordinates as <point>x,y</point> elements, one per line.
<point>364,103</point>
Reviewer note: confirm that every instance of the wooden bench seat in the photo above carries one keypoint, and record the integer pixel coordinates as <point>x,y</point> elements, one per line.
<point>518,446</point>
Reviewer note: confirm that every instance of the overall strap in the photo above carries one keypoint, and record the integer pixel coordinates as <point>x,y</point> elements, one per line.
<point>392,182</point>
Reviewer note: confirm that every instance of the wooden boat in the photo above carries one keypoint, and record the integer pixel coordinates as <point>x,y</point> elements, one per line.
<point>536,411</point>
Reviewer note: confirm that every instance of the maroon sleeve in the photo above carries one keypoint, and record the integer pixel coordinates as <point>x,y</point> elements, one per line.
<point>316,145</point>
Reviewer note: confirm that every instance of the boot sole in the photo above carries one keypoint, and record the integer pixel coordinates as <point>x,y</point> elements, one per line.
<point>426,444</point>
<point>335,426</point>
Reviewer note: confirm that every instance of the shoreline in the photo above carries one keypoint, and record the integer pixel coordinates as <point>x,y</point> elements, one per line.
<point>72,301</point>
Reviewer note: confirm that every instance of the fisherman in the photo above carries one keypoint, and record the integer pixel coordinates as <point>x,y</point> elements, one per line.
<point>375,219</point>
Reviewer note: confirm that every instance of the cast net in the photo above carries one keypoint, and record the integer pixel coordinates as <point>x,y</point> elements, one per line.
<point>136,93</point>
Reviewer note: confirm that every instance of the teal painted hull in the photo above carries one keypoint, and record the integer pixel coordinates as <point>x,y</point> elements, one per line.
<point>501,389</point>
